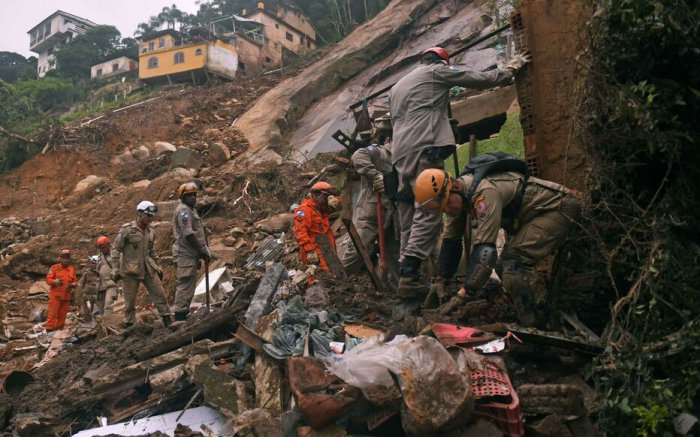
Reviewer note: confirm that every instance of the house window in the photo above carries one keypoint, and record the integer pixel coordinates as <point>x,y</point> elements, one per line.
<point>47,29</point>
<point>276,45</point>
<point>67,21</point>
<point>198,52</point>
<point>151,45</point>
<point>268,60</point>
<point>308,43</point>
<point>179,58</point>
<point>153,62</point>
<point>277,26</point>
<point>290,37</point>
<point>115,67</point>
<point>99,72</point>
<point>50,51</point>
<point>161,42</point>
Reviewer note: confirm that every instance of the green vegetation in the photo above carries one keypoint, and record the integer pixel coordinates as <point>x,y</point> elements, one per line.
<point>637,113</point>
<point>14,67</point>
<point>510,140</point>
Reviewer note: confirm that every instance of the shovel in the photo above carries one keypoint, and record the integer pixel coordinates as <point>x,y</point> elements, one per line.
<point>382,247</point>
<point>206,282</point>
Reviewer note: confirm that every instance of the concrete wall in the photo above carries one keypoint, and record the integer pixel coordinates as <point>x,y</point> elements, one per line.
<point>297,20</point>
<point>276,32</point>
<point>166,60</point>
<point>123,64</point>
<point>252,55</point>
<point>222,59</point>
<point>552,32</point>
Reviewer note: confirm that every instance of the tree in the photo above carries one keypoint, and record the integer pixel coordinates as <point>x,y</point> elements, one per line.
<point>14,67</point>
<point>15,107</point>
<point>75,58</point>
<point>46,93</point>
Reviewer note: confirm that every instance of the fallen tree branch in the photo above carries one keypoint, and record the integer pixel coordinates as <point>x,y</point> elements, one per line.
<point>16,136</point>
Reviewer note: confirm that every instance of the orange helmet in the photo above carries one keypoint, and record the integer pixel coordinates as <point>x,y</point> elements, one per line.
<point>323,187</point>
<point>432,189</point>
<point>102,241</point>
<point>187,188</point>
<point>442,53</point>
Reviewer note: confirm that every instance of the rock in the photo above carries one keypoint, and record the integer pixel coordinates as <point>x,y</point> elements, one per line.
<point>205,172</point>
<point>219,153</point>
<point>123,159</point>
<point>166,209</point>
<point>278,223</point>
<point>229,241</point>
<point>212,133</point>
<point>163,148</point>
<point>141,184</point>
<point>550,426</point>
<point>179,172</point>
<point>187,122</point>
<point>88,183</point>
<point>316,297</point>
<point>141,154</point>
<point>186,158</point>
<point>263,157</point>
<point>236,232</point>
<point>582,427</point>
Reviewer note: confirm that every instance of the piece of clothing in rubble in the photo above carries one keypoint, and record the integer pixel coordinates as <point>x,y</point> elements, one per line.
<point>369,162</point>
<point>59,295</point>
<point>107,288</point>
<point>310,221</point>
<point>537,216</point>
<point>186,222</point>
<point>87,289</point>
<point>135,258</point>
<point>418,105</point>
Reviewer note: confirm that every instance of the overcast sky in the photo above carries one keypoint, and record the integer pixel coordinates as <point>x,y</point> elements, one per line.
<point>18,16</point>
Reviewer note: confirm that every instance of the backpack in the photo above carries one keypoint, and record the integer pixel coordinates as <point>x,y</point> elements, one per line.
<point>495,162</point>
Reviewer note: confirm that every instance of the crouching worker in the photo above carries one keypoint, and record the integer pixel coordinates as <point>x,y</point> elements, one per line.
<point>311,219</point>
<point>536,214</point>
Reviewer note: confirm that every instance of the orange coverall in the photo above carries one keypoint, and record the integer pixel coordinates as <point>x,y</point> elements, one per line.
<point>309,221</point>
<point>59,295</point>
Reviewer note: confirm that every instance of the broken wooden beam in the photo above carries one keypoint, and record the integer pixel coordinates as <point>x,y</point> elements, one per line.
<point>357,241</point>
<point>330,256</point>
<point>193,331</point>
<point>535,336</point>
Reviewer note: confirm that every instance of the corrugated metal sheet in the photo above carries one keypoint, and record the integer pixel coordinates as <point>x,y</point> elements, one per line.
<point>270,250</point>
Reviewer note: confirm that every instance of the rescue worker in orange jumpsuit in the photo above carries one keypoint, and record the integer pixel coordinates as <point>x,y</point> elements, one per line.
<point>311,219</point>
<point>62,280</point>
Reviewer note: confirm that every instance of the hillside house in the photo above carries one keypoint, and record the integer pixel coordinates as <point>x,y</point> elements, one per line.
<point>113,67</point>
<point>167,57</point>
<point>53,32</point>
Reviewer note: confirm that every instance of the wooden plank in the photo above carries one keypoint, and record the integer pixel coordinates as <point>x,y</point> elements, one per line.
<point>536,336</point>
<point>330,256</point>
<point>357,241</point>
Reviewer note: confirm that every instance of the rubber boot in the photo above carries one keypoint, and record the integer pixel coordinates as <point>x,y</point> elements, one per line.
<point>167,320</point>
<point>517,282</point>
<point>181,316</point>
<point>410,286</point>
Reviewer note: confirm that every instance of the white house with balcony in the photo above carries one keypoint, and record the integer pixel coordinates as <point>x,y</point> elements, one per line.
<point>56,30</point>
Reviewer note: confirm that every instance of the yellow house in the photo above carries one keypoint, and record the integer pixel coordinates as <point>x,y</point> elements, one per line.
<point>163,58</point>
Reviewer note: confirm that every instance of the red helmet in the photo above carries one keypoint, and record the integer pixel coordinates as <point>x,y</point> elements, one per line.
<point>102,241</point>
<point>323,187</point>
<point>442,53</point>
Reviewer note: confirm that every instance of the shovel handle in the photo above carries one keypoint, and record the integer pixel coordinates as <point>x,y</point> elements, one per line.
<point>206,281</point>
<point>380,222</point>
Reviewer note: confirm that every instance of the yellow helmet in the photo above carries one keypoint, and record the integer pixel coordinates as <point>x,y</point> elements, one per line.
<point>187,188</point>
<point>433,189</point>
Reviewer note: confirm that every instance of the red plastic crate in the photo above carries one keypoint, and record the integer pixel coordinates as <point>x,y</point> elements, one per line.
<point>491,384</point>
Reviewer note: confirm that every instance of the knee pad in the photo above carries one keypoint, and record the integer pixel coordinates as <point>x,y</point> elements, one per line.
<point>481,263</point>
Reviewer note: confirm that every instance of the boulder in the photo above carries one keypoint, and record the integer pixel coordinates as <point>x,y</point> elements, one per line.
<point>142,153</point>
<point>166,209</point>
<point>88,183</point>
<point>219,153</point>
<point>182,173</point>
<point>187,122</point>
<point>125,158</point>
<point>163,148</point>
<point>263,157</point>
<point>278,223</point>
<point>186,158</point>
<point>141,184</point>
<point>212,133</point>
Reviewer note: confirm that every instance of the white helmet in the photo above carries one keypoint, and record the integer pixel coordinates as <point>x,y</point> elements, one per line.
<point>94,259</point>
<point>146,207</point>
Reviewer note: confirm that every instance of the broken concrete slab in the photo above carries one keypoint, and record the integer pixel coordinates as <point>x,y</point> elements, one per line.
<point>186,158</point>
<point>267,373</point>
<point>163,148</point>
<point>219,388</point>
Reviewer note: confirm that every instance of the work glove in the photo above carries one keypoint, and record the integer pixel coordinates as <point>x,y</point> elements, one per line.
<point>519,61</point>
<point>311,257</point>
<point>334,204</point>
<point>378,183</point>
<point>115,276</point>
<point>58,282</point>
<point>436,293</point>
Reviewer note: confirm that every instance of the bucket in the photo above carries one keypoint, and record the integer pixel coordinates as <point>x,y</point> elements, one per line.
<point>15,382</point>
